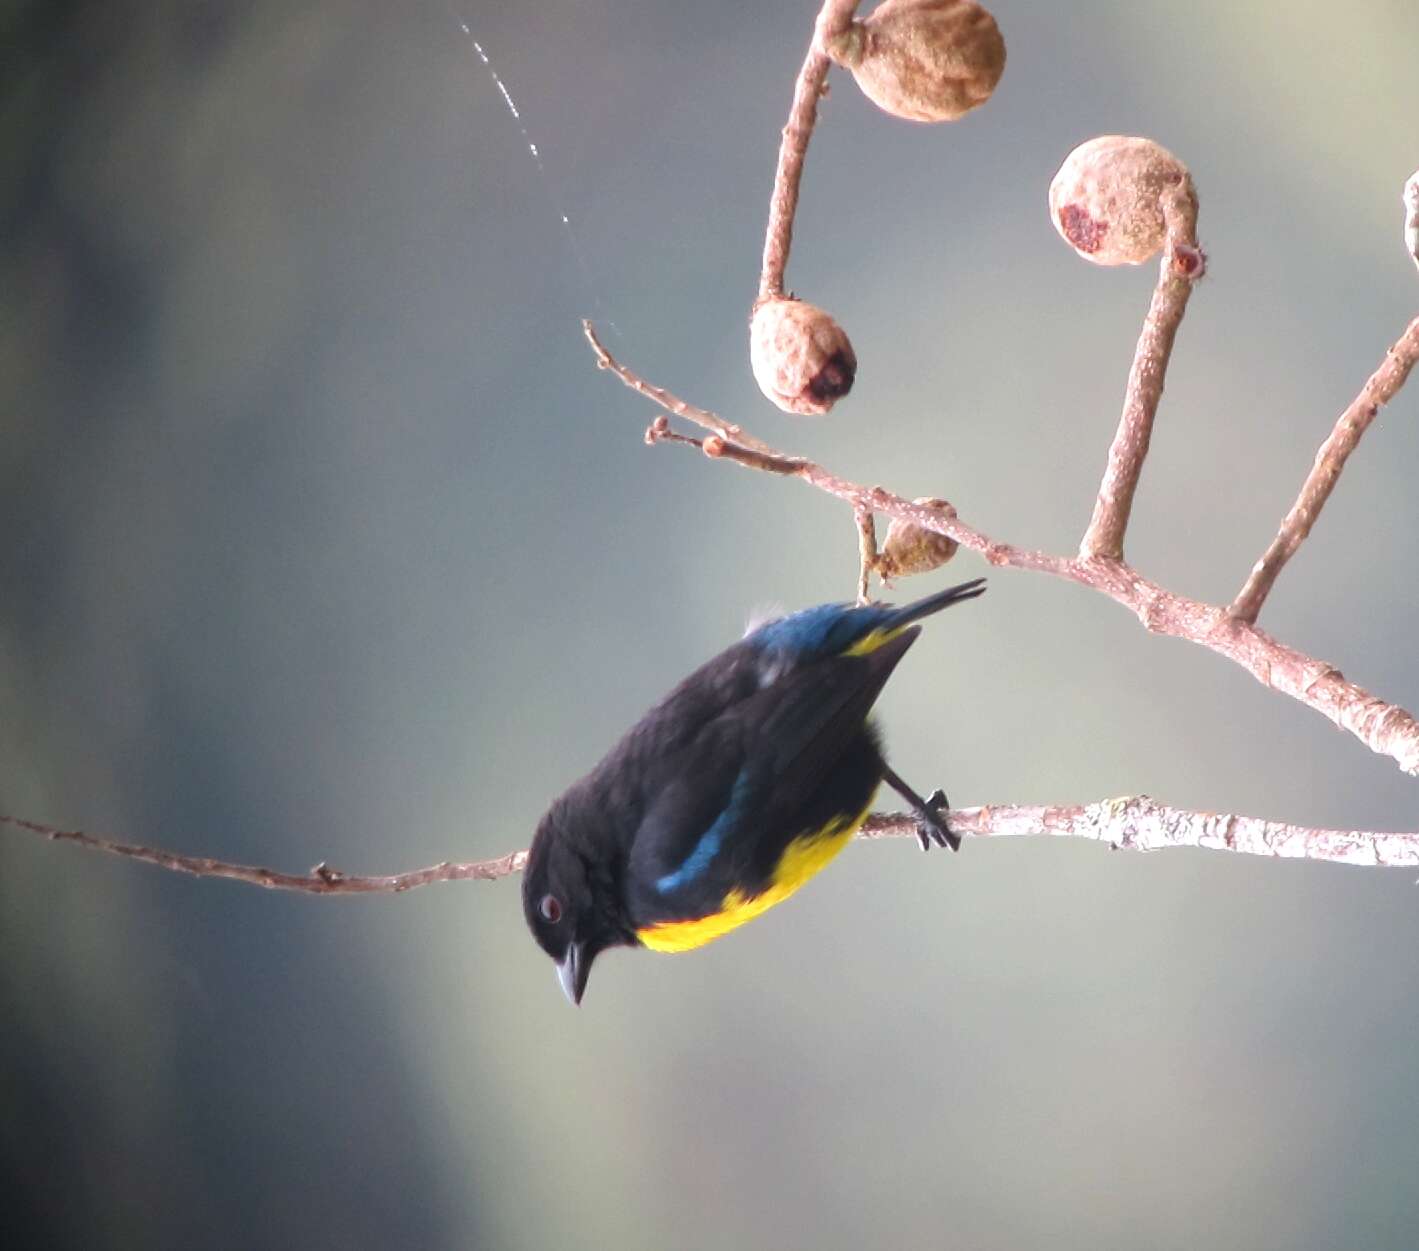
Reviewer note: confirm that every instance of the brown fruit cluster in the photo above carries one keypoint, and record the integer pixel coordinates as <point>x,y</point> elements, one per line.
<point>1106,201</point>
<point>923,60</point>
<point>910,548</point>
<point>800,356</point>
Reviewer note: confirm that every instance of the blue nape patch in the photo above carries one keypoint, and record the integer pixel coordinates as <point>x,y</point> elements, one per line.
<point>822,631</point>
<point>710,842</point>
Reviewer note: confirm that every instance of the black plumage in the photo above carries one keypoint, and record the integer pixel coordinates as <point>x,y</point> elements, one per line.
<point>730,792</point>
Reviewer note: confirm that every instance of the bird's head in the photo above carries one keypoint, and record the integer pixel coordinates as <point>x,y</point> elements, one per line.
<point>570,905</point>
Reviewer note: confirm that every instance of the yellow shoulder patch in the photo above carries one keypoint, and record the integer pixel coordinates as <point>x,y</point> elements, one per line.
<point>871,641</point>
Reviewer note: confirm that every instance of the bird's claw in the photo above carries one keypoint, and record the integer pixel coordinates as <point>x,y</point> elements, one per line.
<point>931,824</point>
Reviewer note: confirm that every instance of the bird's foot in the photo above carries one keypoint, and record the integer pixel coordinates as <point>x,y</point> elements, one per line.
<point>930,813</point>
<point>931,826</point>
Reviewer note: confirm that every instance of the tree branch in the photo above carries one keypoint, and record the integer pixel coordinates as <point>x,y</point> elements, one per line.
<point>1182,265</point>
<point>1138,823</point>
<point>833,18</point>
<point>1380,388</point>
<point>321,880</point>
<point>1133,823</point>
<point>1384,728</point>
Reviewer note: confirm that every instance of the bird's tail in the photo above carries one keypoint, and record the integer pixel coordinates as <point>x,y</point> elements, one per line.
<point>879,624</point>
<point>905,615</point>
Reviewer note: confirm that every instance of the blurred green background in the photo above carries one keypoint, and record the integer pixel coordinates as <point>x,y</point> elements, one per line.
<point>321,538</point>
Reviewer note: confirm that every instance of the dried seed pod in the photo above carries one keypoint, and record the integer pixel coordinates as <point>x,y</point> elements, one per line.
<point>910,548</point>
<point>923,60</point>
<point>800,356</point>
<point>1106,199</point>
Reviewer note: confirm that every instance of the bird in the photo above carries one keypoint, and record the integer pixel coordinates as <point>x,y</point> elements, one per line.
<point>730,793</point>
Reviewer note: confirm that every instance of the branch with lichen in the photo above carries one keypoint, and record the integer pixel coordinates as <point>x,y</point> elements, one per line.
<point>1138,823</point>
<point>1133,823</point>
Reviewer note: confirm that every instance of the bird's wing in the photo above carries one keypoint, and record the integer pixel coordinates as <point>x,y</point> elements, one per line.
<point>744,789</point>
<point>809,718</point>
<point>695,798</point>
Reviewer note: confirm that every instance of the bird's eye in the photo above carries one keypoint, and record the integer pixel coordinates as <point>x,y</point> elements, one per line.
<point>550,908</point>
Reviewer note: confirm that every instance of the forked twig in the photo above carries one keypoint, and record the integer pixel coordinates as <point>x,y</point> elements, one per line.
<point>1383,727</point>
<point>701,417</point>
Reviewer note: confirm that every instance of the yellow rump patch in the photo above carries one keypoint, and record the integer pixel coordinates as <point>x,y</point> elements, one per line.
<point>802,858</point>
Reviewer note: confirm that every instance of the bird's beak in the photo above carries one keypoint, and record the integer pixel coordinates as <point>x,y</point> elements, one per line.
<point>573,969</point>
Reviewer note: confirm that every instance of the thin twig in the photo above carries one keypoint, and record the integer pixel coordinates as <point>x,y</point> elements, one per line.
<point>1383,727</point>
<point>1134,823</point>
<point>1325,472</point>
<point>321,880</point>
<point>1182,265</point>
<point>866,550</point>
<point>833,18</point>
<point>928,516</point>
<point>658,395</point>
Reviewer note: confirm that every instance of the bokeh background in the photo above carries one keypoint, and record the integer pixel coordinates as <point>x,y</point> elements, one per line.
<point>322,539</point>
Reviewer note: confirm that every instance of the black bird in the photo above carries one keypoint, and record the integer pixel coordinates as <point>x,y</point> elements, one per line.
<point>730,793</point>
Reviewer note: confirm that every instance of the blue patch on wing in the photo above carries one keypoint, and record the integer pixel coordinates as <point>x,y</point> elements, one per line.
<point>822,631</point>
<point>704,851</point>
